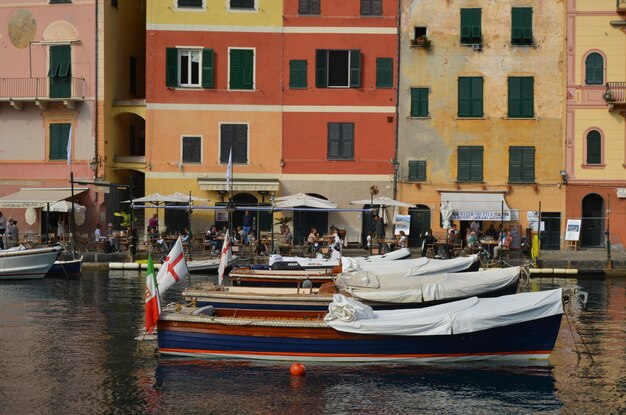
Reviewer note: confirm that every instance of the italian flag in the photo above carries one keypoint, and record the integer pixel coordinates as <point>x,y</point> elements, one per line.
<point>153,305</point>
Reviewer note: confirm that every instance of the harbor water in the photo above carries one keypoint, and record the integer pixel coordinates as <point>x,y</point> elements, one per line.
<point>68,347</point>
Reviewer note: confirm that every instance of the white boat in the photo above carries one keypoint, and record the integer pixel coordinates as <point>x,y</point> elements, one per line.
<point>210,264</point>
<point>279,262</point>
<point>20,263</point>
<point>413,267</point>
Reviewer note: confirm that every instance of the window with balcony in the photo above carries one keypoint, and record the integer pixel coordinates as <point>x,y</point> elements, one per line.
<point>417,170</point>
<point>192,149</point>
<point>384,72</point>
<point>521,97</point>
<point>241,69</point>
<point>309,7</point>
<point>59,137</point>
<point>471,32</point>
<point>522,26</point>
<point>594,147</point>
<point>470,164</point>
<point>419,102</point>
<point>340,141</point>
<point>521,164</point>
<point>371,7</point>
<point>234,136</point>
<point>242,4</point>
<point>297,74</point>
<point>594,69</point>
<point>189,68</point>
<point>470,97</point>
<point>60,72</point>
<point>338,68</point>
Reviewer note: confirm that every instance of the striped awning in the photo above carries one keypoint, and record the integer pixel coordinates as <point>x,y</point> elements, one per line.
<point>37,197</point>
<point>240,184</point>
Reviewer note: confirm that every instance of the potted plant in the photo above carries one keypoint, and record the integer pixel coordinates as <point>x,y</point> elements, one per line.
<point>125,223</point>
<point>421,41</point>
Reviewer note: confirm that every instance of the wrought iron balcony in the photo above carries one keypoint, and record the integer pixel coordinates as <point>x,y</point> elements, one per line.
<point>42,90</point>
<point>615,95</point>
<point>621,5</point>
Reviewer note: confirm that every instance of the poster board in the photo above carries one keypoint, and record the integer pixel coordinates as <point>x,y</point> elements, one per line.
<point>572,230</point>
<point>516,234</point>
<point>403,223</point>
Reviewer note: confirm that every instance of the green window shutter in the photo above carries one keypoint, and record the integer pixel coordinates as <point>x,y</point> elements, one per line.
<point>476,164</point>
<point>419,102</point>
<point>521,25</point>
<point>463,164</point>
<point>298,74</point>
<point>347,140</point>
<point>471,31</point>
<point>528,164</point>
<point>514,97</point>
<point>515,164</point>
<point>594,69</point>
<point>241,69</point>
<point>240,146</point>
<point>321,68</point>
<point>464,97</point>
<point>207,68</point>
<point>59,135</point>
<point>477,97</point>
<point>192,150</point>
<point>340,141</point>
<point>248,69</point>
<point>594,147</point>
<point>521,97</point>
<point>189,3</point>
<point>466,30</point>
<point>528,97</point>
<point>355,68</point>
<point>470,97</point>
<point>476,25</point>
<point>371,7</point>
<point>227,133</point>
<point>65,63</point>
<point>333,141</point>
<point>470,164</point>
<point>171,67</point>
<point>384,72</point>
<point>417,170</point>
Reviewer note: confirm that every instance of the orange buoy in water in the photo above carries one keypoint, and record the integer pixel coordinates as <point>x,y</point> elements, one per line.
<point>297,369</point>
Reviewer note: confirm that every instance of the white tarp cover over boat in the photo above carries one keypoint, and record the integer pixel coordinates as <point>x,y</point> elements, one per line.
<point>464,316</point>
<point>476,206</point>
<point>408,267</point>
<point>436,287</point>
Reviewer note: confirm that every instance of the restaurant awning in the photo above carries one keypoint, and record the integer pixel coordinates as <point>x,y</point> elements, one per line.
<point>240,185</point>
<point>37,197</point>
<point>477,206</point>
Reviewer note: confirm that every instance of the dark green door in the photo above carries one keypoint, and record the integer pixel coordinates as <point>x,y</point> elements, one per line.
<point>592,221</point>
<point>368,223</point>
<point>60,72</point>
<point>551,236</point>
<point>303,221</point>
<point>420,223</point>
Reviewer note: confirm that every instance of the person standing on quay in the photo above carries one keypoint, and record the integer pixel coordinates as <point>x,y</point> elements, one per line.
<point>3,228</point>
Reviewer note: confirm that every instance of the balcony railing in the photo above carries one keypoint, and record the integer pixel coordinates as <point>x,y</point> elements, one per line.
<point>621,4</point>
<point>615,94</point>
<point>48,89</point>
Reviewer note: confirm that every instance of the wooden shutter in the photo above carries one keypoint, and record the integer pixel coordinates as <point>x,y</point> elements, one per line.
<point>355,68</point>
<point>347,140</point>
<point>171,67</point>
<point>414,105</point>
<point>377,7</point>
<point>466,31</point>
<point>528,165</point>
<point>476,164</point>
<point>463,164</point>
<point>314,7</point>
<point>384,72</point>
<point>527,85</point>
<point>248,68</point>
<point>241,69</point>
<point>594,148</point>
<point>227,132</point>
<point>321,68</point>
<point>476,25</point>
<point>298,73</point>
<point>65,63</point>
<point>417,170</point>
<point>333,140</point>
<point>514,97</point>
<point>464,97</point>
<point>515,164</point>
<point>419,102</point>
<point>192,150</point>
<point>476,92</point>
<point>366,7</point>
<point>59,135</point>
<point>207,68</point>
<point>240,144</point>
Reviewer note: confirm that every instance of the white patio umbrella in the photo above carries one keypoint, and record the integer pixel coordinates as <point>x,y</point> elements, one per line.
<point>157,199</point>
<point>65,206</point>
<point>185,198</point>
<point>382,201</point>
<point>446,214</point>
<point>302,199</point>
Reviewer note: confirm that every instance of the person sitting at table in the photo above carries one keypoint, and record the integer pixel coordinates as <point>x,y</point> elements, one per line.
<point>312,240</point>
<point>98,234</point>
<point>187,235</point>
<point>114,243</point>
<point>402,240</point>
<point>453,234</point>
<point>210,239</point>
<point>336,244</point>
<point>288,237</point>
<point>503,245</point>
<point>472,241</point>
<point>430,240</point>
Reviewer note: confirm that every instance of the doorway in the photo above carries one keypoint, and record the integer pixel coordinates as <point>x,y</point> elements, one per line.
<point>592,220</point>
<point>420,224</point>
<point>551,235</point>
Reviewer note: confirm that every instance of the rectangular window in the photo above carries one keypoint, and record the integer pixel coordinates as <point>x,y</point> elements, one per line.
<point>338,68</point>
<point>297,73</point>
<point>521,164</point>
<point>471,31</point>
<point>340,141</point>
<point>59,1</point>
<point>60,71</point>
<point>234,136</point>
<point>309,7</point>
<point>371,7</point>
<point>470,97</point>
<point>419,102</point>
<point>470,164</point>
<point>242,4</point>
<point>522,26</point>
<point>241,69</point>
<point>192,150</point>
<point>59,137</point>
<point>190,3</point>
<point>384,72</point>
<point>189,68</point>
<point>521,97</point>
<point>417,170</point>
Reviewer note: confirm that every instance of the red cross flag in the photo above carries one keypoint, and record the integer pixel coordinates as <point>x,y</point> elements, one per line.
<point>173,269</point>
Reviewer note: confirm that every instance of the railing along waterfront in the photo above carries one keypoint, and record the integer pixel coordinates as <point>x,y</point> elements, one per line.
<point>615,92</point>
<point>40,88</point>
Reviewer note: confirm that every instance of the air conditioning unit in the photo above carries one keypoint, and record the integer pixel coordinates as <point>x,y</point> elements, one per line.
<point>477,46</point>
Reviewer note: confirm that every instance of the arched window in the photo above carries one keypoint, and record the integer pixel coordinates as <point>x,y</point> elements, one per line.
<point>594,69</point>
<point>594,147</point>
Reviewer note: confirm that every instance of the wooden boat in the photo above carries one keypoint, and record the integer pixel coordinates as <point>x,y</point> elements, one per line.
<point>209,264</point>
<point>279,262</point>
<point>21,263</point>
<point>66,269</point>
<point>281,278</point>
<point>421,292</point>
<point>519,326</point>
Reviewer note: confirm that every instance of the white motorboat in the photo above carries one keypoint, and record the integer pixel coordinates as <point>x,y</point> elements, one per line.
<point>20,263</point>
<point>413,267</point>
<point>279,262</point>
<point>210,264</point>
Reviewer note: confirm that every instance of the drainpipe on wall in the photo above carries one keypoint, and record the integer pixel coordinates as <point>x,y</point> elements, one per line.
<point>395,164</point>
